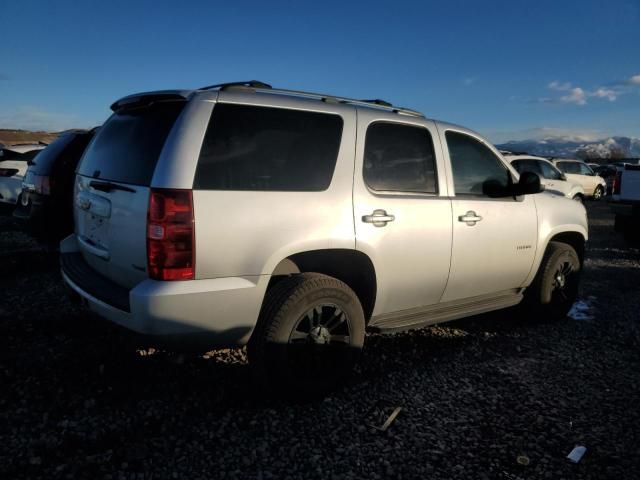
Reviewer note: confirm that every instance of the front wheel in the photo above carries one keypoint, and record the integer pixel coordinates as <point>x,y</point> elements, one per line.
<point>598,193</point>
<point>555,288</point>
<point>309,335</point>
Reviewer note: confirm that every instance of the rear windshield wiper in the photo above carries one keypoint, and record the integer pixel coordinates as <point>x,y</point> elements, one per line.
<point>108,186</point>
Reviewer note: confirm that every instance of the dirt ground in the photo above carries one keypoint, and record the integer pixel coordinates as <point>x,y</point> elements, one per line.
<point>492,396</point>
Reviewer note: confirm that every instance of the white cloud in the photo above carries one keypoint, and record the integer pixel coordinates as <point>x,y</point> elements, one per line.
<point>469,81</point>
<point>35,118</point>
<point>559,87</point>
<point>547,133</point>
<point>607,93</point>
<point>576,96</point>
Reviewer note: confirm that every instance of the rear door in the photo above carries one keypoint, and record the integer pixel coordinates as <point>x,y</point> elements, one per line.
<point>401,209</point>
<point>494,239</point>
<point>112,189</point>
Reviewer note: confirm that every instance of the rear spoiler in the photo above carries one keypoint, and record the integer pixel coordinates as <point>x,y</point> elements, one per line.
<point>139,100</point>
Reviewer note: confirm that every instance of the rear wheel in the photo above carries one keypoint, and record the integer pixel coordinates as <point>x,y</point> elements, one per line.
<point>578,198</point>
<point>309,335</point>
<point>597,194</point>
<point>555,288</point>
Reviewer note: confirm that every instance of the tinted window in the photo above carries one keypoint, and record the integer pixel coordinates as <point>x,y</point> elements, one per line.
<point>548,171</point>
<point>475,168</point>
<point>260,148</point>
<point>399,158</point>
<point>127,147</point>
<point>585,169</point>
<point>67,148</point>
<point>569,167</point>
<point>526,166</point>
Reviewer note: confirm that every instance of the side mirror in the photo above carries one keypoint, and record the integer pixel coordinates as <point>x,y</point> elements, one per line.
<point>563,177</point>
<point>528,184</point>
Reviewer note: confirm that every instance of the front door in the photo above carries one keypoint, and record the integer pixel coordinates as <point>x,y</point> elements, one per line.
<point>494,239</point>
<point>401,209</point>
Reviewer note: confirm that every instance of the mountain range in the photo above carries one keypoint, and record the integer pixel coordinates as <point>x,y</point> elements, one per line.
<point>571,147</point>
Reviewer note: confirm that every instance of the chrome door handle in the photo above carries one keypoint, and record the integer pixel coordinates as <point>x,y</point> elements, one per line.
<point>470,218</point>
<point>379,218</point>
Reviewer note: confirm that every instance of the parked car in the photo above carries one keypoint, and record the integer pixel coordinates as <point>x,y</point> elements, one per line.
<point>608,172</point>
<point>625,200</point>
<point>13,165</point>
<point>46,201</point>
<point>579,172</point>
<point>553,179</point>
<point>293,221</point>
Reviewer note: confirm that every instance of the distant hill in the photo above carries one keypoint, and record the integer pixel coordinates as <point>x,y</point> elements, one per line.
<point>10,137</point>
<point>571,147</point>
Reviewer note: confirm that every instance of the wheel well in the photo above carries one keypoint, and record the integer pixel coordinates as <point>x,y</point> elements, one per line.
<point>574,239</point>
<point>350,266</point>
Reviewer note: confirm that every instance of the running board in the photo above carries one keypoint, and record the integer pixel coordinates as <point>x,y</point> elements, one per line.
<point>443,312</point>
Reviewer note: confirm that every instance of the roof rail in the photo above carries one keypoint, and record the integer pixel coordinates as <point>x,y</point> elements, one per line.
<point>377,101</point>
<point>250,83</point>
<point>266,88</point>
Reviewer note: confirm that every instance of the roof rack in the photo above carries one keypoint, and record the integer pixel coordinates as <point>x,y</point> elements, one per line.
<point>266,88</point>
<point>250,84</point>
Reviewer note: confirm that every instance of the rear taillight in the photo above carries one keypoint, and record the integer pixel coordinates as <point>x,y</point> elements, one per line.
<point>617,183</point>
<point>8,172</point>
<point>42,184</point>
<point>171,235</point>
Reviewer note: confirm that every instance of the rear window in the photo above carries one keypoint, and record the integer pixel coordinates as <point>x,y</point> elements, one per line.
<point>268,149</point>
<point>127,147</point>
<point>67,148</point>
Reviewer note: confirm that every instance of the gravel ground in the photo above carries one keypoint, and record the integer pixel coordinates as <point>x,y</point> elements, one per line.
<point>80,398</point>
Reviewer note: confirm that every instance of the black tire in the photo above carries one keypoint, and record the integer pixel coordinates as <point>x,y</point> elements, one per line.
<point>302,346</point>
<point>598,193</point>
<point>578,198</point>
<point>555,287</point>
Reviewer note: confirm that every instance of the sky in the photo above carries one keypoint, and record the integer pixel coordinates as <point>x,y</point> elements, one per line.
<point>510,70</point>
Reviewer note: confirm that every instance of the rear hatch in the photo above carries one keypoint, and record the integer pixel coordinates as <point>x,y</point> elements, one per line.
<point>113,186</point>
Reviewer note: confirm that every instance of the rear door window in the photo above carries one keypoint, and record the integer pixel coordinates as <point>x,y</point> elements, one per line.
<point>548,171</point>
<point>268,149</point>
<point>399,158</point>
<point>569,167</point>
<point>526,166</point>
<point>127,147</point>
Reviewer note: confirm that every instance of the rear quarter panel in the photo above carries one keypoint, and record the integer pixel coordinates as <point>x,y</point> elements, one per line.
<point>240,233</point>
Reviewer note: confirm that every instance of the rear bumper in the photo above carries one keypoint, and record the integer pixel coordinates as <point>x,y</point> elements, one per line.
<point>220,311</point>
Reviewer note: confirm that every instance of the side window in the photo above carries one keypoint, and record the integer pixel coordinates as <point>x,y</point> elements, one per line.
<point>585,169</point>
<point>548,171</point>
<point>268,149</point>
<point>526,166</point>
<point>569,167</point>
<point>399,158</point>
<point>475,168</point>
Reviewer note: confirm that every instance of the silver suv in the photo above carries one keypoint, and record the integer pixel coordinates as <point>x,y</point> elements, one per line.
<point>293,222</point>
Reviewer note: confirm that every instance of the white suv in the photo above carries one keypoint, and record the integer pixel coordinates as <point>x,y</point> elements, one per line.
<point>293,222</point>
<point>553,179</point>
<point>579,172</point>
